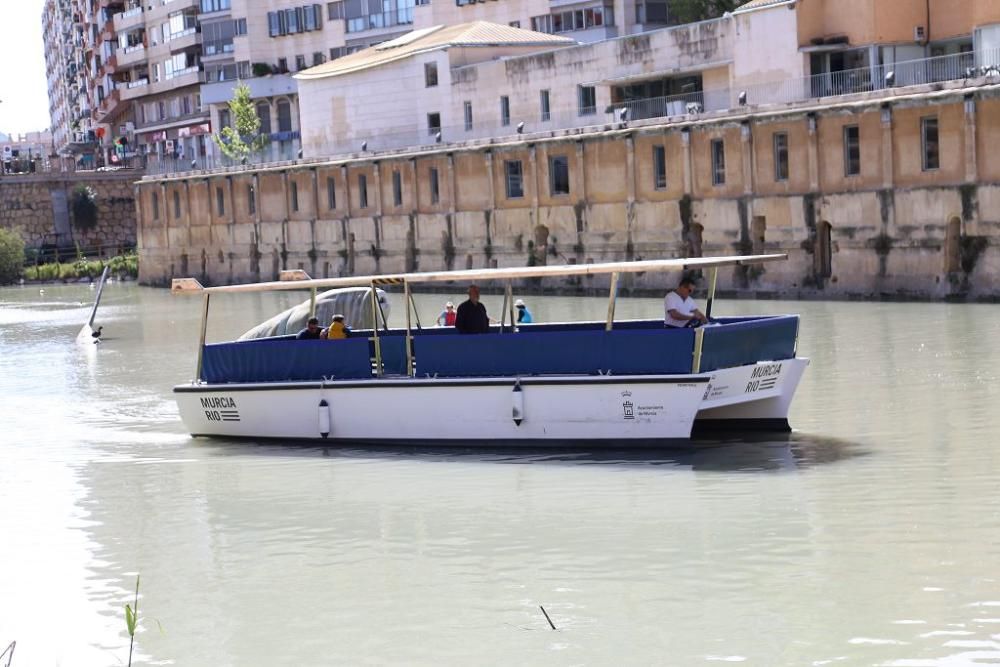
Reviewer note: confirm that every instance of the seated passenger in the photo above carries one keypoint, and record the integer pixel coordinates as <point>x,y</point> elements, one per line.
<point>681,310</point>
<point>337,329</point>
<point>472,317</point>
<point>447,316</point>
<point>523,314</point>
<point>311,332</point>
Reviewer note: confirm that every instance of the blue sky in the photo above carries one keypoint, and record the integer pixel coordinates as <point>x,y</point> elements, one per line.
<point>25,105</point>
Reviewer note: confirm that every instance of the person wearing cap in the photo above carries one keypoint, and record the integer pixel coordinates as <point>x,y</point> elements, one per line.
<point>523,314</point>
<point>471,317</point>
<point>311,332</point>
<point>447,316</point>
<point>337,329</point>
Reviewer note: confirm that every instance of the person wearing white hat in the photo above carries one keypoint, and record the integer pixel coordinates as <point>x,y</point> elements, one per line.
<point>523,314</point>
<point>447,316</point>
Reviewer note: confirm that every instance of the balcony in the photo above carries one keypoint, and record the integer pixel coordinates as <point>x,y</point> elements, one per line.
<point>131,55</point>
<point>128,19</point>
<point>185,39</point>
<point>380,21</point>
<point>134,89</point>
<point>108,106</point>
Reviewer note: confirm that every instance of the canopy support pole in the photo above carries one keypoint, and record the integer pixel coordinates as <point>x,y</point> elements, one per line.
<point>378,346</point>
<point>413,304</point>
<point>612,298</point>
<point>503,308</point>
<point>312,303</point>
<point>699,340</point>
<point>713,277</point>
<point>409,338</point>
<point>204,332</point>
<point>510,305</point>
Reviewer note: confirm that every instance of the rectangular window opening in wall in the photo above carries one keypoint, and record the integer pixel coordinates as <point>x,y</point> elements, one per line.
<point>239,27</point>
<point>929,142</point>
<point>397,188</point>
<point>430,75</point>
<point>467,109</point>
<point>514,177</point>
<point>718,162</point>
<point>582,19</point>
<point>514,24</point>
<point>558,175</point>
<point>177,204</point>
<point>251,200</point>
<point>542,23</point>
<point>504,110</point>
<point>659,167</point>
<point>433,123</point>
<point>587,100</point>
<point>331,193</point>
<point>156,207</point>
<point>362,191</point>
<point>852,150</point>
<point>300,63</point>
<point>335,11</point>
<point>295,196</point>
<point>220,202</point>
<point>435,186</point>
<point>780,156</point>
<point>318,58</point>
<point>544,104</point>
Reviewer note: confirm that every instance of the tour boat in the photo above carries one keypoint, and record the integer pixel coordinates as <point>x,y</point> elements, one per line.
<point>610,382</point>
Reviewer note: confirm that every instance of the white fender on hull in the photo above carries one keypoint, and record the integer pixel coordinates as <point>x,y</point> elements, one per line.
<point>324,418</point>
<point>517,399</point>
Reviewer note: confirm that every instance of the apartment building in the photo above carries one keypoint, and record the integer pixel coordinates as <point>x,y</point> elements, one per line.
<point>69,110</point>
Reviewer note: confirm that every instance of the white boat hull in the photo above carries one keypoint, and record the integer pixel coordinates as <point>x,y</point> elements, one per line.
<point>499,410</point>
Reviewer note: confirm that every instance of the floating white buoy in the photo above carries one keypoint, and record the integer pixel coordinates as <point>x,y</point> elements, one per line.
<point>324,418</point>
<point>517,400</point>
<point>41,291</point>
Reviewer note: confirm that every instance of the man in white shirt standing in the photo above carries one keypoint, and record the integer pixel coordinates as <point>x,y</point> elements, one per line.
<point>680,309</point>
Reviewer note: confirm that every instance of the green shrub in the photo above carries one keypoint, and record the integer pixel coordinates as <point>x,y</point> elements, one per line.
<point>11,256</point>
<point>84,205</point>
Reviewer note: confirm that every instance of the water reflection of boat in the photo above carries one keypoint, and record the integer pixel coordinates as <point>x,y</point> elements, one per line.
<point>579,382</point>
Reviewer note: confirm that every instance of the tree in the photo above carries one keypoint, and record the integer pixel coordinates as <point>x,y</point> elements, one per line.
<point>84,204</point>
<point>244,138</point>
<point>689,11</point>
<point>11,256</point>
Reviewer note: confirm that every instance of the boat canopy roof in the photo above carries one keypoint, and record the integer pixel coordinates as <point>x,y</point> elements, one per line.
<point>298,279</point>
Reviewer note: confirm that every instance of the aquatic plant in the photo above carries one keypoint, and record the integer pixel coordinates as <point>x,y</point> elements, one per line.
<point>132,619</point>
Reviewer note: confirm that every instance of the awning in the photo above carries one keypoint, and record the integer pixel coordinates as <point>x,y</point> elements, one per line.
<point>658,74</point>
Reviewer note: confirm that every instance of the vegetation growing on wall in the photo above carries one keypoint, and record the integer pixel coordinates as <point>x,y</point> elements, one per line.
<point>244,138</point>
<point>84,204</point>
<point>122,266</point>
<point>688,11</point>
<point>11,256</point>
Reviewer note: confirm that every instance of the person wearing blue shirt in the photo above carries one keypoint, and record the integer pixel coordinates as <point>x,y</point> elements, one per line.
<point>523,314</point>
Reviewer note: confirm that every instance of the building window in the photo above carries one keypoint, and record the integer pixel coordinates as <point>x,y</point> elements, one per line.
<point>335,11</point>
<point>300,63</point>
<point>282,65</point>
<point>468,115</point>
<point>156,207</point>
<point>852,150</point>
<point>239,27</point>
<point>929,142</point>
<point>659,167</point>
<point>430,75</point>
<point>433,123</point>
<point>295,196</point>
<point>514,24</point>
<point>780,156</point>
<point>718,162</point>
<point>504,110</point>
<point>331,193</point>
<point>251,200</point>
<point>543,100</point>
<point>264,115</point>
<point>220,202</point>
<point>363,190</point>
<point>318,58</point>
<point>587,100</point>
<point>582,19</point>
<point>558,175</point>
<point>397,188</point>
<point>177,204</point>
<point>542,23</point>
<point>515,179</point>
<point>284,116</point>
<point>435,186</point>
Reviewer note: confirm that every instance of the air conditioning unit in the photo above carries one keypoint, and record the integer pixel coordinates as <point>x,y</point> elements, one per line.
<point>919,34</point>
